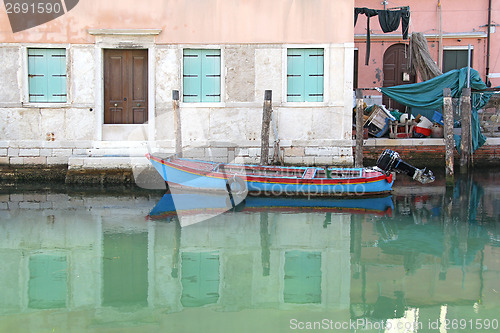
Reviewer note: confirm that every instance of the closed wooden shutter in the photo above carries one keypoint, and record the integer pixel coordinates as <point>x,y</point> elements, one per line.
<point>210,67</point>
<point>302,277</point>
<point>200,278</point>
<point>47,75</point>
<point>454,59</point>
<point>47,288</point>
<point>201,76</point>
<point>305,75</point>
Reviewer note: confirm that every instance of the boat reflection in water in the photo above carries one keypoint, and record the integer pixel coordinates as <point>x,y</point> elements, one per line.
<point>191,207</point>
<point>83,262</point>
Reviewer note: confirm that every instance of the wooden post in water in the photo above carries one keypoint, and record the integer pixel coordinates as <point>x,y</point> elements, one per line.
<point>358,159</point>
<point>177,123</point>
<point>465,144</point>
<point>266,120</point>
<point>448,135</point>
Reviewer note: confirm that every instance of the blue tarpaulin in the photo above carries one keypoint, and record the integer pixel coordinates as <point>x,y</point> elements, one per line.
<point>429,95</point>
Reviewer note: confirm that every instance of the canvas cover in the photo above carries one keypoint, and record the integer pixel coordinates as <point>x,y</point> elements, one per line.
<point>429,95</point>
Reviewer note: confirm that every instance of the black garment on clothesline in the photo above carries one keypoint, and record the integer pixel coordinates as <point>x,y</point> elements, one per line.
<point>388,20</point>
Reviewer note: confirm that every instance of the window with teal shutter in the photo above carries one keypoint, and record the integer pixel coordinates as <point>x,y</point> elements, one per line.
<point>201,75</point>
<point>47,75</point>
<point>302,277</point>
<point>305,73</point>
<point>200,278</point>
<point>48,280</point>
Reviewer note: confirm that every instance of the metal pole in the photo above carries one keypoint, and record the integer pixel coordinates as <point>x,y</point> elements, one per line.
<point>469,56</point>
<point>358,159</point>
<point>488,83</point>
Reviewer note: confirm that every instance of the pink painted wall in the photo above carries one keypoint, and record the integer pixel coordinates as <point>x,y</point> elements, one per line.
<point>199,21</point>
<point>458,16</point>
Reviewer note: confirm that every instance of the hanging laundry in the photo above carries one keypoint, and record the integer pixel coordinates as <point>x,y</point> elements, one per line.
<point>388,20</point>
<point>369,13</point>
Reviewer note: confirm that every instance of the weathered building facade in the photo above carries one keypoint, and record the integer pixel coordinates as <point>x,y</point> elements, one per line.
<point>449,27</point>
<point>93,87</point>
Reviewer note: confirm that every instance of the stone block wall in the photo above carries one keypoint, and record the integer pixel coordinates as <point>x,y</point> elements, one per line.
<point>429,152</point>
<point>52,134</point>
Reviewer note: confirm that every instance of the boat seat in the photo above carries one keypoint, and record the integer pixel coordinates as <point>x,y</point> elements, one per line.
<point>310,173</point>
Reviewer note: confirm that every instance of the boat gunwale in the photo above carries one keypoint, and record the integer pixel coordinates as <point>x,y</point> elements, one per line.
<point>267,178</point>
<point>291,194</point>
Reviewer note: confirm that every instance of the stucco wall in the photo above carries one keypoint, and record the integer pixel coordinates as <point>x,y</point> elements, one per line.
<point>248,70</point>
<point>253,37</point>
<point>200,21</point>
<point>237,121</point>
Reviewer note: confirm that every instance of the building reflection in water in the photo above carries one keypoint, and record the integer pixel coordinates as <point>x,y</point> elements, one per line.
<point>437,248</point>
<point>349,259</point>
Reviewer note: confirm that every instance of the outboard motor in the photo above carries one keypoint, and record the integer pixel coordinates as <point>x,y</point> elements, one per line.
<point>390,161</point>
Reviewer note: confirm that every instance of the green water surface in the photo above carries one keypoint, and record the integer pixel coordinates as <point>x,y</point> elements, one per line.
<point>94,261</point>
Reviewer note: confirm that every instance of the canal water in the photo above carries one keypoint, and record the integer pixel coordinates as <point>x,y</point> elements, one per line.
<point>425,259</point>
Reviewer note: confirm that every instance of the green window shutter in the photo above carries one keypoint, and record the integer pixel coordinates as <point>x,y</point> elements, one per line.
<point>57,76</point>
<point>200,278</point>
<point>302,277</point>
<point>210,84</point>
<point>37,75</point>
<point>454,59</point>
<point>314,75</point>
<point>192,76</point>
<point>47,287</point>
<point>47,75</point>
<point>305,75</point>
<point>201,75</point>
<point>295,75</point>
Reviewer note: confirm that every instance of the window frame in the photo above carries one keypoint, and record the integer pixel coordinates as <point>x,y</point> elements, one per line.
<point>464,48</point>
<point>221,102</point>
<point>326,75</point>
<point>25,101</point>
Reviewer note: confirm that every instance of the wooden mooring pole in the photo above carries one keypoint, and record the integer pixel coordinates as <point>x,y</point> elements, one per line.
<point>177,123</point>
<point>266,120</point>
<point>358,158</point>
<point>465,144</point>
<point>448,135</point>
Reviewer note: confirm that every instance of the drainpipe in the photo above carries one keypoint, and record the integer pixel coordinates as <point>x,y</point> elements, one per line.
<point>469,58</point>
<point>488,83</point>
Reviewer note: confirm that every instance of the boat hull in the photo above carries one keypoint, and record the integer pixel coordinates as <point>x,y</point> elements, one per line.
<point>208,176</point>
<point>191,208</point>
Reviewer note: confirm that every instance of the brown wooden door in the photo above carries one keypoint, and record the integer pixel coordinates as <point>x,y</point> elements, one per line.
<point>396,72</point>
<point>125,86</point>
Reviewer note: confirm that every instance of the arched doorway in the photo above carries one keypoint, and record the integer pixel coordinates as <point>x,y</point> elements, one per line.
<point>396,72</point>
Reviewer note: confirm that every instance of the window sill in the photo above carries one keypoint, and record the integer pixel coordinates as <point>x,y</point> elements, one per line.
<point>202,104</point>
<point>305,104</point>
<point>48,105</point>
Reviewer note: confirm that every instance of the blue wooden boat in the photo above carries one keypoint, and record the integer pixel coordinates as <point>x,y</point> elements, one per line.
<point>283,180</point>
<point>193,207</point>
